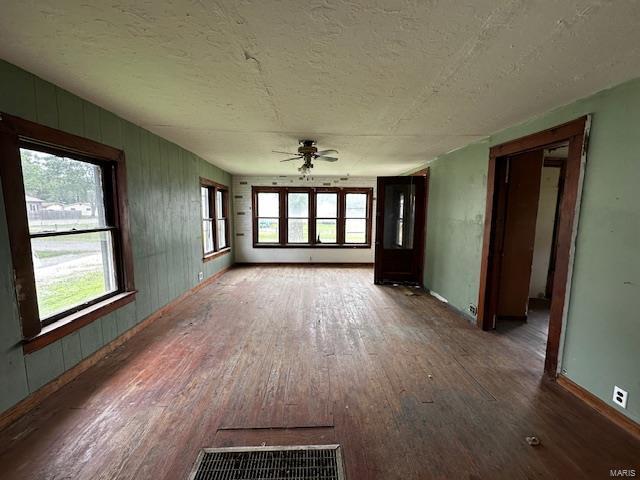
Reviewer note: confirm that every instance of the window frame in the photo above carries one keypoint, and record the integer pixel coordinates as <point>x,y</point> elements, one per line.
<point>282,233</point>
<point>310,209</point>
<point>283,218</point>
<point>339,218</point>
<point>366,218</point>
<point>209,219</point>
<point>213,188</point>
<point>110,210</point>
<point>16,133</point>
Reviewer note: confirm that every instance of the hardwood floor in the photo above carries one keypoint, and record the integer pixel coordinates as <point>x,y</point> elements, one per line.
<point>295,355</point>
<point>534,331</point>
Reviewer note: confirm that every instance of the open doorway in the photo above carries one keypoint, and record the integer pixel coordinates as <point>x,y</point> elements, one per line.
<point>531,210</point>
<point>533,193</point>
<point>544,246</point>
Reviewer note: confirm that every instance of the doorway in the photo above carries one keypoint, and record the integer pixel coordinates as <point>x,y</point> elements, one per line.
<point>529,236</point>
<point>545,246</point>
<point>400,229</point>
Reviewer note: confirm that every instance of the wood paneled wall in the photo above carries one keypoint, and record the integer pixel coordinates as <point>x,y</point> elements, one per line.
<point>163,184</point>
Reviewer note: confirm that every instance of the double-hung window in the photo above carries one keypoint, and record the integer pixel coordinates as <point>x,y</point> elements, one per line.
<point>221,218</point>
<point>73,232</point>
<point>355,223</point>
<point>214,199</point>
<point>312,217</point>
<point>297,217</point>
<point>208,243</point>
<point>66,209</point>
<point>267,213</point>
<point>327,218</point>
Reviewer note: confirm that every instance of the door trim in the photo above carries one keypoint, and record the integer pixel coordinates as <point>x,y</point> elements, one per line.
<point>576,133</point>
<point>425,172</point>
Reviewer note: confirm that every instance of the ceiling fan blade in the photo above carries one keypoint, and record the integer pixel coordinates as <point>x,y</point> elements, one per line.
<point>286,153</point>
<point>292,158</point>
<point>324,152</point>
<point>327,159</point>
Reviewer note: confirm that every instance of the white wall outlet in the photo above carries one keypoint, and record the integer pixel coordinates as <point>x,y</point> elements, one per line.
<point>200,276</point>
<point>473,310</point>
<point>620,396</point>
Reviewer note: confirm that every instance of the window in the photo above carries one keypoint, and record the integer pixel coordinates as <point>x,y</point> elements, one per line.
<point>65,200</point>
<point>400,205</point>
<point>355,228</point>
<point>400,220</point>
<point>221,218</point>
<point>298,217</point>
<point>268,217</point>
<point>215,227</point>
<point>207,221</point>
<point>312,217</point>
<point>327,217</point>
<point>73,250</point>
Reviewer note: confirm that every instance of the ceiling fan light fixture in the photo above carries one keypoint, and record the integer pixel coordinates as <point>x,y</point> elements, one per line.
<point>308,152</point>
<point>304,170</point>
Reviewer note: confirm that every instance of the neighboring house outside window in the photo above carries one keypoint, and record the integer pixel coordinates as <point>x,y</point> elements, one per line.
<point>67,227</point>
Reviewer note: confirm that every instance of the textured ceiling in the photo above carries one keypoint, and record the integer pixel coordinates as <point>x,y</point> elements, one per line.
<point>388,83</point>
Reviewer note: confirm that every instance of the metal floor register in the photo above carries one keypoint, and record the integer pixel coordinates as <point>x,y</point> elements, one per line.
<point>322,462</point>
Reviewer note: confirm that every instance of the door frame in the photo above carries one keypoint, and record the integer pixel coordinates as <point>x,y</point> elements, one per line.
<point>576,133</point>
<point>425,172</point>
<point>554,162</point>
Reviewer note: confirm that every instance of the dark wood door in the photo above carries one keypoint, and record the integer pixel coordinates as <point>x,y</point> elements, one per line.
<point>400,229</point>
<point>521,210</point>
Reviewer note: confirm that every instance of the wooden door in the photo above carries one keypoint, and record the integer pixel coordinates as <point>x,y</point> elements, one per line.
<point>400,229</point>
<point>520,212</point>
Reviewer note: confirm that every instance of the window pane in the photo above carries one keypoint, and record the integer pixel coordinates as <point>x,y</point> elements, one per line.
<point>222,234</point>
<point>207,236</point>
<point>327,205</point>
<point>326,231</point>
<point>204,198</point>
<point>356,205</point>
<point>268,231</point>
<point>72,269</point>
<point>219,205</point>
<point>355,230</point>
<point>61,194</point>
<point>298,205</point>
<point>268,204</point>
<point>399,207</point>
<point>298,231</point>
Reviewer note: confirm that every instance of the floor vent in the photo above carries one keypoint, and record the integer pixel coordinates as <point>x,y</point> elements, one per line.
<point>322,462</point>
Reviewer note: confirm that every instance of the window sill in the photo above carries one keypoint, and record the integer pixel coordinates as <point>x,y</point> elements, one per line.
<point>75,321</point>
<point>217,254</point>
<point>319,245</point>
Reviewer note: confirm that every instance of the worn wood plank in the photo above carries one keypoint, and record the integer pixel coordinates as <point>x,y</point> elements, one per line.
<point>406,385</point>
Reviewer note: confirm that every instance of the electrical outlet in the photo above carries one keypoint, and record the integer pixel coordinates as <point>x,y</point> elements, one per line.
<point>620,396</point>
<point>473,309</point>
<point>200,276</point>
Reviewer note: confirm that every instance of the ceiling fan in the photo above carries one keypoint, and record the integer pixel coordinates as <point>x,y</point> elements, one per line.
<point>308,152</point>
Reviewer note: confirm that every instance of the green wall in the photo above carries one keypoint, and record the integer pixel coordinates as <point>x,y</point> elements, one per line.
<point>163,185</point>
<point>602,343</point>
